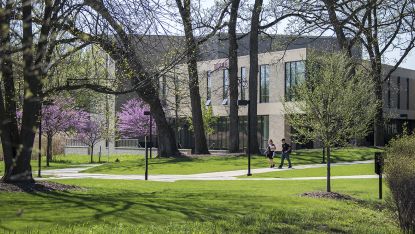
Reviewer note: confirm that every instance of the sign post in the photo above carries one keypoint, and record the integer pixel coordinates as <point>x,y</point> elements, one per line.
<point>379,170</point>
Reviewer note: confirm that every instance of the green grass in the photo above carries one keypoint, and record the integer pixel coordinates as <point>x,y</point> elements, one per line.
<point>67,161</point>
<point>111,206</point>
<point>346,170</point>
<point>135,165</point>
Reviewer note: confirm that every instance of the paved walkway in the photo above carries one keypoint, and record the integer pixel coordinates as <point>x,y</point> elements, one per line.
<point>74,173</point>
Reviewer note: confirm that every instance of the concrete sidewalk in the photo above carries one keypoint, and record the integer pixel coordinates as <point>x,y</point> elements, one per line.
<point>75,173</point>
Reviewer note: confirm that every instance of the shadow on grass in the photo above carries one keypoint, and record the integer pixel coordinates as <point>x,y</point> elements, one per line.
<point>130,207</point>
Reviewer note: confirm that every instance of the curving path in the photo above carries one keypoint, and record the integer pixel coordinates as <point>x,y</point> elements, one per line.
<point>74,173</point>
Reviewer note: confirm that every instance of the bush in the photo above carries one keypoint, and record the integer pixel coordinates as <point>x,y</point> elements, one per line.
<point>400,177</point>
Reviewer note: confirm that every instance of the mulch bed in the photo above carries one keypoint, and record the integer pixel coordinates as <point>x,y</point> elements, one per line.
<point>328,195</point>
<point>39,186</point>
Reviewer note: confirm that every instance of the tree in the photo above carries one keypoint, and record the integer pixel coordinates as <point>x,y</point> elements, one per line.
<point>140,59</point>
<point>57,118</point>
<point>35,36</point>
<point>376,26</point>
<point>89,131</point>
<point>253,75</point>
<point>192,52</point>
<point>332,104</point>
<point>132,123</point>
<point>233,79</point>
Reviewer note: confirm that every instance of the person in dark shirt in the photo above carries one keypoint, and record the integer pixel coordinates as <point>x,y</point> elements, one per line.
<point>285,154</point>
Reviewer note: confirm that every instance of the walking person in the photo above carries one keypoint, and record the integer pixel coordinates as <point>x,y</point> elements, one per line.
<point>270,153</point>
<point>285,154</point>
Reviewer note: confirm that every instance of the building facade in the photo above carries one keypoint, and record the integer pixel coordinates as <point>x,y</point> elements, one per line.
<point>281,61</point>
<point>278,71</point>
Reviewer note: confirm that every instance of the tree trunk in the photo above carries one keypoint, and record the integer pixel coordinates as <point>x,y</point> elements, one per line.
<point>379,127</point>
<point>8,122</point>
<point>328,169</point>
<point>253,75</point>
<point>324,155</point>
<point>338,27</point>
<point>127,61</point>
<point>92,153</point>
<point>233,80</point>
<point>195,102</point>
<point>167,145</point>
<point>21,171</point>
<point>48,150</point>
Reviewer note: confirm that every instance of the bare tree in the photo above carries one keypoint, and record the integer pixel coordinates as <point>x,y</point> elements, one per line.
<point>192,52</point>
<point>253,75</point>
<point>233,79</point>
<point>132,53</point>
<point>376,26</point>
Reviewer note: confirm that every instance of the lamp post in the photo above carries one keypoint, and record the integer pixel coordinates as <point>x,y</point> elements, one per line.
<point>146,146</point>
<point>39,160</point>
<point>246,103</point>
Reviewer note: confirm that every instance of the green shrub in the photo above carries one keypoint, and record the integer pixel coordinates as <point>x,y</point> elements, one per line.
<point>400,176</point>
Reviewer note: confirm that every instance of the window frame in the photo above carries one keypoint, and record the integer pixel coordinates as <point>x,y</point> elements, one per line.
<point>289,69</point>
<point>243,79</point>
<point>225,93</point>
<point>208,85</point>
<point>264,99</point>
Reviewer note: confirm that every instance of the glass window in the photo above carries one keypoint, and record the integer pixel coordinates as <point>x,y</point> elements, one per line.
<point>263,131</point>
<point>225,83</point>
<point>407,93</point>
<point>294,75</point>
<point>389,92</point>
<point>244,83</point>
<point>163,88</point>
<point>264,83</point>
<point>398,84</point>
<point>209,86</point>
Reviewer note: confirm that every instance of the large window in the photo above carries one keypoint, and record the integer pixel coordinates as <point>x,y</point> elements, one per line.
<point>264,83</point>
<point>398,84</point>
<point>209,85</point>
<point>243,83</point>
<point>407,93</point>
<point>163,88</point>
<point>389,93</point>
<point>294,74</point>
<point>225,83</point>
<point>263,131</point>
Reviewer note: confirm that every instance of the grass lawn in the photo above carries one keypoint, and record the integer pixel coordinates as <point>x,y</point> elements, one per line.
<point>66,161</point>
<point>135,165</point>
<point>111,206</point>
<point>359,169</point>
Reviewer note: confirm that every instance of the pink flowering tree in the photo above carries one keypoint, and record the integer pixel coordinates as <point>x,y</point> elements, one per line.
<point>132,123</point>
<point>59,117</point>
<point>89,131</point>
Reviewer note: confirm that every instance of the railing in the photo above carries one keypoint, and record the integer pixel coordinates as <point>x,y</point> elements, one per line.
<point>128,143</point>
<point>74,143</point>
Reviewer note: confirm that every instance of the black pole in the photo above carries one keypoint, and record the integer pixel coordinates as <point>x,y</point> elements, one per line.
<point>39,160</point>
<point>146,161</point>
<point>151,138</point>
<point>380,185</point>
<point>328,169</point>
<point>249,140</point>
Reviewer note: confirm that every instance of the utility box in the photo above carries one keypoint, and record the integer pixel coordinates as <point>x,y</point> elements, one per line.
<point>379,162</point>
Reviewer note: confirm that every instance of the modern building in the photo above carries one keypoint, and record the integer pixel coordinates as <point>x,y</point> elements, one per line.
<point>281,61</point>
